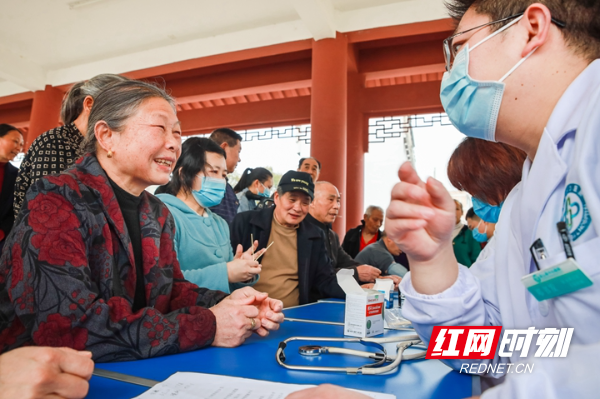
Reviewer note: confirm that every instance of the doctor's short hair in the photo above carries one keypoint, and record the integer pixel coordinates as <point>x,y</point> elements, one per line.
<point>582,24</point>
<point>371,208</point>
<point>486,170</point>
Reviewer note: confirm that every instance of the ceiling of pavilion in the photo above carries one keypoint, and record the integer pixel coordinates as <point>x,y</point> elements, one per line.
<point>56,42</point>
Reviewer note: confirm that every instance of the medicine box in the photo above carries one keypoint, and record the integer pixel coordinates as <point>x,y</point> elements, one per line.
<point>364,308</point>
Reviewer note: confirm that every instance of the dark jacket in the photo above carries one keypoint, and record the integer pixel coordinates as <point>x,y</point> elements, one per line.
<point>314,266</point>
<point>7,198</point>
<point>339,258</point>
<point>351,242</point>
<point>466,248</point>
<point>69,277</point>
<point>228,207</point>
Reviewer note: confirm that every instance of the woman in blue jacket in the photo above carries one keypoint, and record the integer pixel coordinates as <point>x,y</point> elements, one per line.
<point>202,237</point>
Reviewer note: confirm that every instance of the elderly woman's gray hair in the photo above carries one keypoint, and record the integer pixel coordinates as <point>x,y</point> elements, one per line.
<point>72,104</point>
<point>117,104</point>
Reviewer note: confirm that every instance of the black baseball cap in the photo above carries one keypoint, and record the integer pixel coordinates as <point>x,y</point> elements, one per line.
<point>297,181</point>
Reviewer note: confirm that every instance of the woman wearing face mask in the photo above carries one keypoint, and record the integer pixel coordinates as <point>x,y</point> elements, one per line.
<point>202,237</point>
<point>254,185</point>
<point>488,171</point>
<point>481,230</point>
<point>11,143</point>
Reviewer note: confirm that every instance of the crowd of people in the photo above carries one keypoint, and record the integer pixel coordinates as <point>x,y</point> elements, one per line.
<point>94,268</point>
<point>96,264</point>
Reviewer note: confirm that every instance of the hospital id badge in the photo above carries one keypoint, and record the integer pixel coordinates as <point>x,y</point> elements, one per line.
<point>561,279</point>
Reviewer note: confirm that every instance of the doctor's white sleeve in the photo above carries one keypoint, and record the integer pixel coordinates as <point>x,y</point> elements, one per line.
<point>470,301</point>
<point>554,377</point>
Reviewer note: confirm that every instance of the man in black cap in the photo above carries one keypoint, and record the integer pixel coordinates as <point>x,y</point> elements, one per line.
<point>297,261</point>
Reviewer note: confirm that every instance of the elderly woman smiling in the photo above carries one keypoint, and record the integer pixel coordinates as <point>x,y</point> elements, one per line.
<point>92,263</point>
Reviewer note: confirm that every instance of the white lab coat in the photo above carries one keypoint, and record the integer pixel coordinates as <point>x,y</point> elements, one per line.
<point>491,292</point>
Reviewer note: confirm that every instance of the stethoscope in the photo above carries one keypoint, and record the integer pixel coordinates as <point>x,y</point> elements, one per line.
<point>380,358</point>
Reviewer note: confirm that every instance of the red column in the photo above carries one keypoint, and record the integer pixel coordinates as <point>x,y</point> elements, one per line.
<point>45,113</point>
<point>355,158</point>
<point>328,114</point>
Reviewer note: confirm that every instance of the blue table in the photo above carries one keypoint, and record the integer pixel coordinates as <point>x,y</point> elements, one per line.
<point>256,359</point>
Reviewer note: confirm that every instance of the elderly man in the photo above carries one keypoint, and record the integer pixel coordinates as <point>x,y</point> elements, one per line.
<point>297,262</point>
<point>322,213</point>
<point>381,255</point>
<point>311,166</point>
<point>367,233</point>
<point>231,143</point>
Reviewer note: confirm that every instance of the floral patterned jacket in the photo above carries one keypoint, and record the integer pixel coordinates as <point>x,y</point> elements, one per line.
<point>67,276</point>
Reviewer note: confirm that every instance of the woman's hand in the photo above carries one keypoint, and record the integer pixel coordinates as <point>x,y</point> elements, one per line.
<point>39,372</point>
<point>243,267</point>
<point>420,219</point>
<point>269,309</point>
<point>236,318</point>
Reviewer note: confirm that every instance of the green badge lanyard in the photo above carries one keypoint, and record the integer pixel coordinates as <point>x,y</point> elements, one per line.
<point>560,279</point>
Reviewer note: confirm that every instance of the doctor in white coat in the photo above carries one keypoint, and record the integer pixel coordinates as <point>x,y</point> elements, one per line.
<point>542,95</point>
<point>549,106</point>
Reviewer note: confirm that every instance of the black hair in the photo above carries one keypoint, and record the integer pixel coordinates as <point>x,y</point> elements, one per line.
<point>225,135</point>
<point>304,159</point>
<point>581,29</point>
<point>191,162</point>
<point>250,175</point>
<point>4,129</point>
<point>471,214</point>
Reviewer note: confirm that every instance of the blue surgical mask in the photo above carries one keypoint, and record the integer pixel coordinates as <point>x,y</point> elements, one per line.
<point>488,213</point>
<point>479,237</point>
<point>211,193</point>
<point>473,105</point>
<point>266,193</point>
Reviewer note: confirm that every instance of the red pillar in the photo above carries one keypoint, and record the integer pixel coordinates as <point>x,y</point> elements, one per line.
<point>328,115</point>
<point>45,113</point>
<point>355,158</point>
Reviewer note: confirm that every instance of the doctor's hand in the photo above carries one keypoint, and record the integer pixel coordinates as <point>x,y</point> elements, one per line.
<point>236,320</point>
<point>420,219</point>
<point>40,372</point>
<point>327,391</point>
<point>243,267</point>
<point>367,273</point>
<point>269,309</point>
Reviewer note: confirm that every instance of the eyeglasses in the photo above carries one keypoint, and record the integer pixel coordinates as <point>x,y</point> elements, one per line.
<point>450,50</point>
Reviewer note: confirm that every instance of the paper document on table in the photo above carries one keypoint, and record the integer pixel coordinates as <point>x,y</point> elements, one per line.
<point>205,386</point>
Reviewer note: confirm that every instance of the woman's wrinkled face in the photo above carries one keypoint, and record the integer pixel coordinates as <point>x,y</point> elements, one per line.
<point>149,145</point>
<point>10,145</point>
